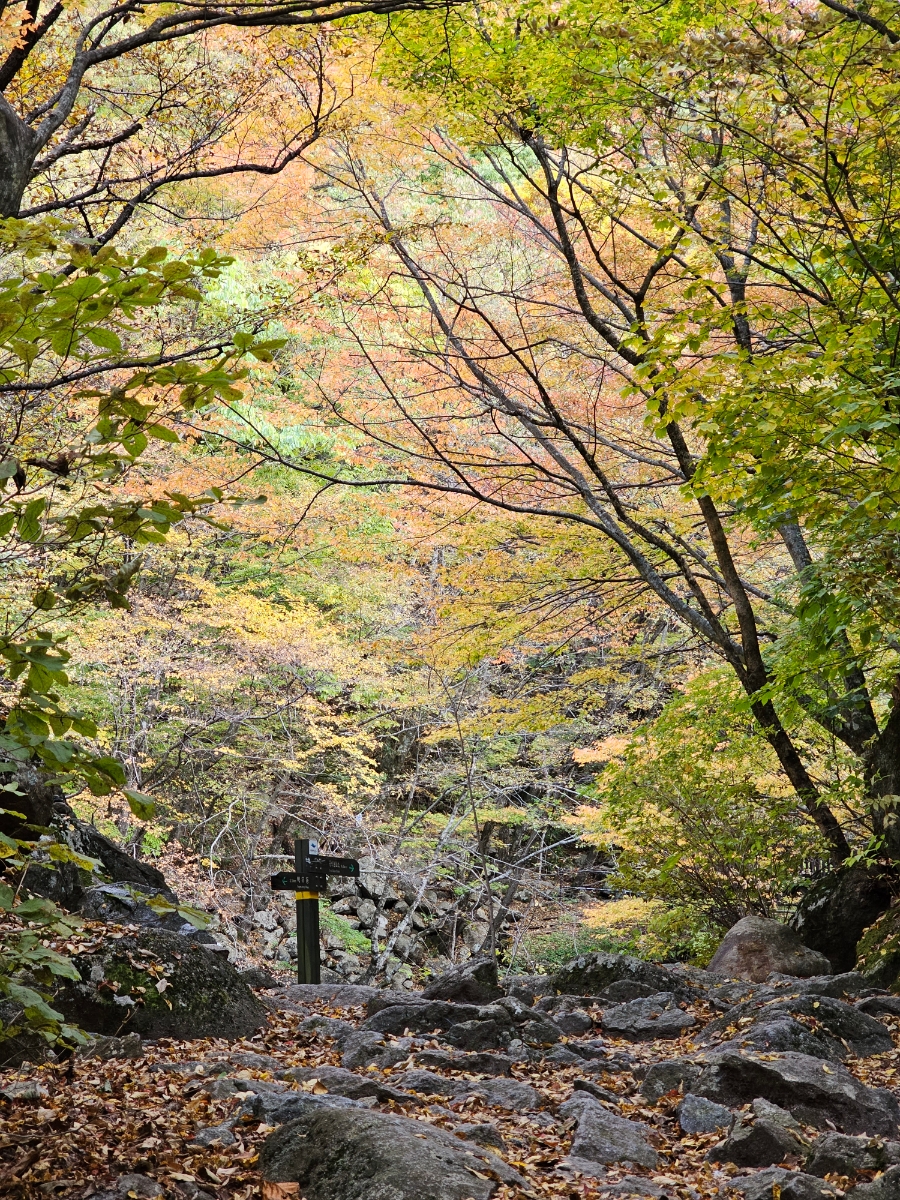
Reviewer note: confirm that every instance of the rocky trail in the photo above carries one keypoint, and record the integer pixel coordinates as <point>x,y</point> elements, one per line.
<point>614,1077</point>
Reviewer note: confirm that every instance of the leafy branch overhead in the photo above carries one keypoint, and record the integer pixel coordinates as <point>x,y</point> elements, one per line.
<point>72,339</point>
<point>85,394</point>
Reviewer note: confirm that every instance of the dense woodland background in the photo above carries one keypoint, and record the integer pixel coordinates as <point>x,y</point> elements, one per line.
<point>468,435</point>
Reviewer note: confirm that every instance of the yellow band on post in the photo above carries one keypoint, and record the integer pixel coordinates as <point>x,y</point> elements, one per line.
<point>306,895</point>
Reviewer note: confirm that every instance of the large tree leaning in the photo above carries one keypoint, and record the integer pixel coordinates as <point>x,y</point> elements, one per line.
<point>34,138</point>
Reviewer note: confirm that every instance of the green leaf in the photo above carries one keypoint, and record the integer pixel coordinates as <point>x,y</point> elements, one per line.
<point>162,433</point>
<point>8,847</point>
<point>105,339</point>
<point>28,524</point>
<point>110,767</point>
<point>37,908</point>
<point>143,807</point>
<point>194,916</point>
<point>60,852</point>
<point>44,599</point>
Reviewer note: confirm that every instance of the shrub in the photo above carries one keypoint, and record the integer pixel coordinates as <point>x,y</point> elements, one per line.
<point>696,814</point>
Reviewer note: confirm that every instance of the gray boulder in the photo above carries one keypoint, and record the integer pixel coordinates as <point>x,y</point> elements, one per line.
<point>838,1154</point>
<point>627,989</point>
<point>501,1093</point>
<point>364,1047</point>
<point>885,1187</point>
<point>259,979</point>
<point>428,1083</point>
<point>839,1027</point>
<point>644,1020</point>
<point>833,915</point>
<point>66,884</point>
<point>24,1089</point>
<point>159,984</point>
<point>388,997</point>
<point>790,1185</point>
<point>604,1137</point>
<point>594,1089</point>
<point>475,982</point>
<point>632,1185</point>
<point>344,995</point>
<point>421,1018</point>
<point>127,904</point>
<point>485,1133</point>
<point>526,988</point>
<point>574,1022</point>
<point>214,1135</point>
<point>598,1048</point>
<point>669,1076</point>
<point>816,1092</point>
<point>142,1187</point>
<point>850,983</point>
<point>591,974</point>
<point>108,1048</point>
<point>341,1082</point>
<point>758,1143</point>
<point>771,1112</point>
<point>22,1047</point>
<point>277,1108</point>
<point>880,1006</point>
<point>357,1154</point>
<point>696,1114</point>
<point>564,1057</point>
<point>812,1090</point>
<point>785,1035</point>
<point>332,1028</point>
<point>540,1031</point>
<point>755,947</point>
<point>474,1064</point>
<point>488,1034</point>
<point>507,1093</point>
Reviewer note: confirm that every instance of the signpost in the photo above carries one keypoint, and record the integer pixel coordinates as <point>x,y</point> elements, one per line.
<point>307,880</point>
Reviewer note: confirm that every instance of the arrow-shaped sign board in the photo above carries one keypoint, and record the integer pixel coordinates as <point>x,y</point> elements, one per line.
<point>333,866</point>
<point>289,881</point>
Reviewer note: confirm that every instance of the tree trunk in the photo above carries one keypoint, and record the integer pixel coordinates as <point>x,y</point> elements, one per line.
<point>833,914</point>
<point>17,150</point>
<point>882,773</point>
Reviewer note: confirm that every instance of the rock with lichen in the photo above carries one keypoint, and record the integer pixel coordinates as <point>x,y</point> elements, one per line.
<point>158,984</point>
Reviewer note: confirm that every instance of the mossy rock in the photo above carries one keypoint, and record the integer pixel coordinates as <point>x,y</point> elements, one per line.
<point>159,984</point>
<point>879,951</point>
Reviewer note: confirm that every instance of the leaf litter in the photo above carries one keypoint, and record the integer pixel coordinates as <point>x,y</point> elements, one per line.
<point>82,1124</point>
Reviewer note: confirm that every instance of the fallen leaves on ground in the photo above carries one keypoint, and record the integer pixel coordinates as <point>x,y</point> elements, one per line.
<point>90,1122</point>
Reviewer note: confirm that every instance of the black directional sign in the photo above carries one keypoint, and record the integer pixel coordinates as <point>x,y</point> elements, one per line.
<point>334,866</point>
<point>307,880</point>
<point>290,881</point>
